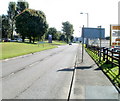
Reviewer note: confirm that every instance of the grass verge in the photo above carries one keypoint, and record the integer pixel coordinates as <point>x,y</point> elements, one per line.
<point>13,49</point>
<point>112,73</point>
<point>57,42</point>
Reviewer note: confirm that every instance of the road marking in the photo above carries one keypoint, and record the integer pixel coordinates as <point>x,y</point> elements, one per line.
<point>29,65</point>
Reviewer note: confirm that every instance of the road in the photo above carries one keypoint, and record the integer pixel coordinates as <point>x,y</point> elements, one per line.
<point>43,75</point>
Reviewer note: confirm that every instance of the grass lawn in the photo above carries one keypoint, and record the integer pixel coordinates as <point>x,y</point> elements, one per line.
<point>12,49</point>
<point>57,42</point>
<point>112,73</point>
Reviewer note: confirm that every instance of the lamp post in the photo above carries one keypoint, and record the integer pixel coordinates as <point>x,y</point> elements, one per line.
<point>82,42</point>
<point>87,18</point>
<point>99,27</point>
<point>87,26</point>
<point>83,34</point>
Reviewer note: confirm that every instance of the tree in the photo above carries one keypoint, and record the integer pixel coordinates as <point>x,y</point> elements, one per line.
<point>31,23</point>
<point>22,5</point>
<point>52,31</point>
<point>59,34</point>
<point>71,38</point>
<point>11,14</point>
<point>5,26</point>
<point>13,10</point>
<point>67,28</point>
<point>62,37</point>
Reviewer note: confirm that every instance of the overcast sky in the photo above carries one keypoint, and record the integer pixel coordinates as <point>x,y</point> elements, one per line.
<point>101,12</point>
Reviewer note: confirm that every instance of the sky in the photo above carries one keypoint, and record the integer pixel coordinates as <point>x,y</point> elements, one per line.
<point>100,12</point>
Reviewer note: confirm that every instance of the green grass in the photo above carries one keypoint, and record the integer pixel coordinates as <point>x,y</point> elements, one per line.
<point>13,49</point>
<point>57,42</point>
<point>112,73</point>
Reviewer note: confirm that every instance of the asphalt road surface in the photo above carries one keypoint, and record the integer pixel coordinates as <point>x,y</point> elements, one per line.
<point>43,75</point>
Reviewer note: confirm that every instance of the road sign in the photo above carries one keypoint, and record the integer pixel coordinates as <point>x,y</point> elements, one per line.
<point>114,35</point>
<point>50,39</point>
<point>93,33</point>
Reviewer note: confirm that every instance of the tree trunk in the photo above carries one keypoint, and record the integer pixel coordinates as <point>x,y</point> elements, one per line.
<point>67,39</point>
<point>12,31</point>
<point>6,35</point>
<point>33,39</point>
<point>38,38</point>
<point>23,39</point>
<point>30,39</point>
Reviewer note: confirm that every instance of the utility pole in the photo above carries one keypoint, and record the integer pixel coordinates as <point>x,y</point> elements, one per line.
<point>82,42</point>
<point>87,26</point>
<point>87,18</point>
<point>100,41</point>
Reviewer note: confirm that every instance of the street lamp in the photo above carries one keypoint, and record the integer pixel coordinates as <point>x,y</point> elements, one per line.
<point>82,42</point>
<point>83,34</point>
<point>87,18</point>
<point>99,27</point>
<point>87,26</point>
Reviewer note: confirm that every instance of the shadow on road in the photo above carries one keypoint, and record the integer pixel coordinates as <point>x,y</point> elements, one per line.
<point>66,69</point>
<point>83,67</point>
<point>97,68</point>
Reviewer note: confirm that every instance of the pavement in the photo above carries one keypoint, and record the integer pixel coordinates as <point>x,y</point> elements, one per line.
<point>90,82</point>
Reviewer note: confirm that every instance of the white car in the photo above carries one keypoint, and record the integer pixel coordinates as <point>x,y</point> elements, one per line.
<point>19,40</point>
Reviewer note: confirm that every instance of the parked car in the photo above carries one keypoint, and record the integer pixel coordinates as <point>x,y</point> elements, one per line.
<point>6,40</point>
<point>115,49</point>
<point>19,40</point>
<point>13,40</point>
<point>16,40</point>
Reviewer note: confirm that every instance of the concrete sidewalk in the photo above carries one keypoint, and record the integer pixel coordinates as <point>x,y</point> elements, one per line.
<point>90,82</point>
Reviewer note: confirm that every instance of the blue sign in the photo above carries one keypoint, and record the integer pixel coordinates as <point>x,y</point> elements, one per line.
<point>93,33</point>
<point>50,39</point>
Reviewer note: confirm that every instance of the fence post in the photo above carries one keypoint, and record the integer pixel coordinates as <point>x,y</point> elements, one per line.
<point>103,53</point>
<point>100,54</point>
<point>98,51</point>
<point>119,63</point>
<point>107,56</point>
<point>112,58</point>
